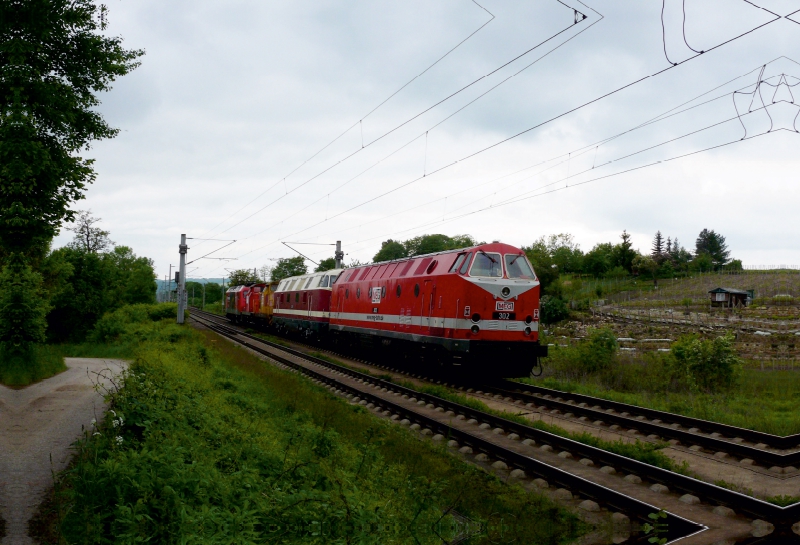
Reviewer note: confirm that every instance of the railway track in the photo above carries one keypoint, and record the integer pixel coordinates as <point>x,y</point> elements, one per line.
<point>779,456</point>
<point>513,444</point>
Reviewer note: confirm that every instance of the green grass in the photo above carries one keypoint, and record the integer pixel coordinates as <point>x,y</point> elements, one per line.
<point>209,444</point>
<point>776,410</point>
<point>44,362</point>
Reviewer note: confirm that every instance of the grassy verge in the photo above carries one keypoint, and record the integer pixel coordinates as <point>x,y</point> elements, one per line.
<point>207,443</point>
<point>44,362</point>
<point>777,410</point>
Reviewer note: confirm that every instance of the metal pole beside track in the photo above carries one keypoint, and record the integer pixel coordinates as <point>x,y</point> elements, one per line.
<point>181,295</point>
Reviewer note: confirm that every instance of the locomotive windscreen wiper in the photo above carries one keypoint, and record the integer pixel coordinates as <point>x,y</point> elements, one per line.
<point>487,255</point>
<point>517,257</point>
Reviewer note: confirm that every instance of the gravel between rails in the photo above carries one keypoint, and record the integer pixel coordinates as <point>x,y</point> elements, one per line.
<point>40,421</point>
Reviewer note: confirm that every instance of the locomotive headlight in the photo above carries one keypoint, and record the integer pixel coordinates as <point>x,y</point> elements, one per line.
<point>528,319</point>
<point>527,331</point>
<point>476,317</point>
<point>506,291</point>
<point>475,329</point>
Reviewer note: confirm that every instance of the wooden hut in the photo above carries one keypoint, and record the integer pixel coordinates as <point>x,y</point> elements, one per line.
<point>729,297</point>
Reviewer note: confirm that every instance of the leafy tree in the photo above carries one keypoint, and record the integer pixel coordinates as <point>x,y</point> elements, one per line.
<point>598,261</point>
<point>390,249</point>
<point>680,256</point>
<point>646,265</point>
<point>734,265</point>
<point>713,244</point>
<point>93,285</point>
<point>543,265</point>
<point>88,237</point>
<point>623,252</point>
<point>289,266</point>
<point>241,277</point>
<point>565,252</point>
<point>212,289</point>
<point>54,58</point>
<point>702,263</point>
<point>428,244</point>
<point>326,265</point>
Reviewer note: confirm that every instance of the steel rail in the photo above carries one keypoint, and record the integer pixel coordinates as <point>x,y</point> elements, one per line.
<point>678,527</point>
<point>782,517</point>
<point>660,427</point>
<point>774,441</point>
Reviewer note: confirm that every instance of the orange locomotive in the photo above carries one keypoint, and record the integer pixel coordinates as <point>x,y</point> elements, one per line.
<point>474,307</point>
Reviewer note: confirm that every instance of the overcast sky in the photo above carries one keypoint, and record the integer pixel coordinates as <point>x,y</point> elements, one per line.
<point>229,127</point>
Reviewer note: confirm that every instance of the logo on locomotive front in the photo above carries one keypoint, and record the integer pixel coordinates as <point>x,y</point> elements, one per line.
<point>505,306</point>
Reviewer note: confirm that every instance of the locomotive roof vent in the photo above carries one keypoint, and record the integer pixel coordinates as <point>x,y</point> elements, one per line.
<point>495,242</point>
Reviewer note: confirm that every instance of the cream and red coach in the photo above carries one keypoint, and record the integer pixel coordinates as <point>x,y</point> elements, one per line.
<point>477,307</point>
<point>301,304</point>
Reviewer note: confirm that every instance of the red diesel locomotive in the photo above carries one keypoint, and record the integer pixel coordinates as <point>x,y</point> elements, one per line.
<point>474,307</point>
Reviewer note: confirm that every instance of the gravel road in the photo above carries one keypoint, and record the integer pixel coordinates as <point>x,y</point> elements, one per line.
<point>36,422</point>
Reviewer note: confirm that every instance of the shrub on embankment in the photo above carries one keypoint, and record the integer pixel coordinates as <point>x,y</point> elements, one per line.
<point>206,443</point>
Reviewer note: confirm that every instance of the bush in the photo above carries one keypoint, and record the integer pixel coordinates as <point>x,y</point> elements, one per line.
<point>206,443</point>
<point>121,321</point>
<point>708,365</point>
<point>598,352</point>
<point>553,309</point>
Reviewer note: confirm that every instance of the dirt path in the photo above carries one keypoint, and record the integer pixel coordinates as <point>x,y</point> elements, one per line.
<point>39,421</point>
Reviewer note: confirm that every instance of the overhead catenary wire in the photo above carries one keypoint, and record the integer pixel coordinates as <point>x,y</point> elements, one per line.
<point>659,72</point>
<point>523,196</point>
<point>557,189</point>
<point>775,17</point>
<point>665,115</point>
<point>385,134</point>
<point>374,109</point>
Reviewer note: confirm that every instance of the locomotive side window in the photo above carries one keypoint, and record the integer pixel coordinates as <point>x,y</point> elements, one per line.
<point>333,279</point>
<point>383,292</point>
<point>416,290</point>
<point>487,264</point>
<point>458,262</point>
<point>517,266</point>
<point>323,281</point>
<point>465,266</point>
<point>358,293</point>
<point>399,290</point>
<point>347,293</point>
<point>297,297</point>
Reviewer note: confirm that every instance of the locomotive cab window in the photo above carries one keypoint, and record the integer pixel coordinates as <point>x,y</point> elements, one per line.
<point>459,260</point>
<point>517,266</point>
<point>487,264</point>
<point>465,266</point>
<point>323,281</point>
